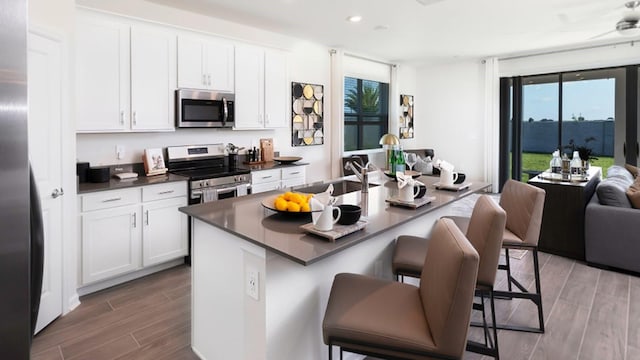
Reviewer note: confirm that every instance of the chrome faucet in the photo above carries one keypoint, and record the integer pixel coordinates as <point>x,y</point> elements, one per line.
<point>361,172</point>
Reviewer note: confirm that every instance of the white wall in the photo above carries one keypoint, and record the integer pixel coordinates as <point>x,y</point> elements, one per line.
<point>449,114</point>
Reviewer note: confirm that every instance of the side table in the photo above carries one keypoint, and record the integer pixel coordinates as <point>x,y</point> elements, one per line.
<point>562,231</point>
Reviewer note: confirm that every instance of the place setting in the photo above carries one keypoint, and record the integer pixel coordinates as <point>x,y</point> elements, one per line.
<point>411,193</point>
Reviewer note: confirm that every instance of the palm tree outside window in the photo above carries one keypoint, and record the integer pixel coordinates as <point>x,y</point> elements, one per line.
<point>366,113</point>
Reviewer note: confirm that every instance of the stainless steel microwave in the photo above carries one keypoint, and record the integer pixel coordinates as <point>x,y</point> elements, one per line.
<point>204,109</point>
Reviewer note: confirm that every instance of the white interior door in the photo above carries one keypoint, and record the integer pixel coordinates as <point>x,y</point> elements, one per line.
<point>45,154</point>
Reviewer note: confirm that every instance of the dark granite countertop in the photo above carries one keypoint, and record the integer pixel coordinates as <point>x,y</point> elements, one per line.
<point>269,165</point>
<point>280,233</point>
<point>115,184</point>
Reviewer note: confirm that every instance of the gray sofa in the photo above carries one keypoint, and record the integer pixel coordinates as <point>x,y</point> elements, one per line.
<point>612,226</point>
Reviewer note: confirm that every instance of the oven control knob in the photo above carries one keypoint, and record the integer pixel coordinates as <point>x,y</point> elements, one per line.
<point>205,183</point>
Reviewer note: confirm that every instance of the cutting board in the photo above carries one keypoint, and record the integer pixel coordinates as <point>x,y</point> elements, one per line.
<point>266,149</point>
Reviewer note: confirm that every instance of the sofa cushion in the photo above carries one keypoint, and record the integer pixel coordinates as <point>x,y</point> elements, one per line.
<point>634,170</point>
<point>612,191</point>
<point>633,193</point>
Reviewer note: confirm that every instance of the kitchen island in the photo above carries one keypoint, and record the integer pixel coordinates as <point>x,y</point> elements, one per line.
<point>260,284</point>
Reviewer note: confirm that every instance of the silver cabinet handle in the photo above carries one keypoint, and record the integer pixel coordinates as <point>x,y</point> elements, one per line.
<point>165,192</point>
<point>112,199</point>
<point>121,117</point>
<point>266,119</point>
<point>209,79</point>
<point>146,213</point>
<point>135,118</point>
<point>267,177</point>
<point>294,173</point>
<point>135,220</point>
<point>204,79</point>
<point>57,193</point>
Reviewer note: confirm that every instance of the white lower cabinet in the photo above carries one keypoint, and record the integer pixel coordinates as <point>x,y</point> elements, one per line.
<point>110,242</point>
<point>278,178</point>
<point>127,230</point>
<point>165,231</point>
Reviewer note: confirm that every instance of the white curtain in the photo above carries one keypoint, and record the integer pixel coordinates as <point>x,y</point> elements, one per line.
<point>492,122</point>
<point>337,112</point>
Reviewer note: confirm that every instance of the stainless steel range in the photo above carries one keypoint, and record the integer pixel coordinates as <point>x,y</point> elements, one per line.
<point>210,176</point>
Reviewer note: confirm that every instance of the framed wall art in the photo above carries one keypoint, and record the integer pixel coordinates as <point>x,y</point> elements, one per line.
<point>307,114</point>
<point>406,117</point>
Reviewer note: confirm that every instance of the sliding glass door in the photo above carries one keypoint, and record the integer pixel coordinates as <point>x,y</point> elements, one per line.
<point>595,111</point>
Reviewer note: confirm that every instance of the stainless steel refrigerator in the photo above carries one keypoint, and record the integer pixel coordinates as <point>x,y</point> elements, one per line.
<point>20,214</point>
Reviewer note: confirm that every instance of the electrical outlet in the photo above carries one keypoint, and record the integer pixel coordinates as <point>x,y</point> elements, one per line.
<point>120,152</point>
<point>253,283</point>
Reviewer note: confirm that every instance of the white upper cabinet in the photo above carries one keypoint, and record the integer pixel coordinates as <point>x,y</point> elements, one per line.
<point>125,76</point>
<point>205,64</point>
<point>153,79</point>
<point>261,88</point>
<point>102,75</point>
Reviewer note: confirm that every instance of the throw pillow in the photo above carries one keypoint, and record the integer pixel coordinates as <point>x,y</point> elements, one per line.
<point>612,191</point>
<point>634,193</point>
<point>632,169</point>
<point>616,171</point>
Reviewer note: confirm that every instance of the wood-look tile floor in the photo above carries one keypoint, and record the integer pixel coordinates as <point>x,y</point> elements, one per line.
<point>148,318</point>
<point>589,314</point>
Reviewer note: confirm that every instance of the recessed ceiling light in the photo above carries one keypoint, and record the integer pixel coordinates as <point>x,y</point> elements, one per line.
<point>354,18</point>
<point>381,27</point>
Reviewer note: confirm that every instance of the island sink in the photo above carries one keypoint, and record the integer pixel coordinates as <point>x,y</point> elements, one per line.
<point>339,187</point>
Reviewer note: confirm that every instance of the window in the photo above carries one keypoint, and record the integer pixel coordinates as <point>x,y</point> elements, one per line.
<point>566,111</point>
<point>366,113</point>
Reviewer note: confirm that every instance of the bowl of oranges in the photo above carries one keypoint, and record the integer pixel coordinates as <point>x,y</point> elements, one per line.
<point>289,203</point>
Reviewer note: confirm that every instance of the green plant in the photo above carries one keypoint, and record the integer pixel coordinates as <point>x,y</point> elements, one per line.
<point>583,150</point>
<point>370,99</point>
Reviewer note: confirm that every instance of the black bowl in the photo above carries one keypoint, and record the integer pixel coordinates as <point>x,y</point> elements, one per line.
<point>421,192</point>
<point>349,214</point>
<point>460,179</point>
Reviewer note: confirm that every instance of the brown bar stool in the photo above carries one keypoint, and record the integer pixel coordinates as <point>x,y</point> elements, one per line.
<point>388,319</point>
<point>523,204</point>
<point>485,231</point>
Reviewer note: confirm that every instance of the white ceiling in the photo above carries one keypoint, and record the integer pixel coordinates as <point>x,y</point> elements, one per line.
<point>439,30</point>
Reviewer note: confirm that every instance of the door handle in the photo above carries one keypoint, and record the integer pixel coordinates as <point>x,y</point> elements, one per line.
<point>57,193</point>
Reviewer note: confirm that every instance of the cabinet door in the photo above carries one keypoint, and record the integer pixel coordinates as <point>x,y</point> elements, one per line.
<point>276,93</point>
<point>249,87</point>
<point>219,65</point>
<point>191,68</point>
<point>153,73</point>
<point>165,233</point>
<point>102,75</point>
<point>110,242</point>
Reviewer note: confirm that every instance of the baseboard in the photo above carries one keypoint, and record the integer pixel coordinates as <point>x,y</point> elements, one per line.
<point>72,303</point>
<point>91,288</point>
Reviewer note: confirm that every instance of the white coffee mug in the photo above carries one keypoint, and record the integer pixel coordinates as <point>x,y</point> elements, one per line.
<point>326,220</point>
<point>447,178</point>
<point>408,192</point>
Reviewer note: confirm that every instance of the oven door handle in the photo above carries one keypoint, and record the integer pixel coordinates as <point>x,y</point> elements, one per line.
<point>226,190</point>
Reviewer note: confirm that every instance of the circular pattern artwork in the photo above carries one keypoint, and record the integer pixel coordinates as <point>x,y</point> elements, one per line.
<point>307,116</point>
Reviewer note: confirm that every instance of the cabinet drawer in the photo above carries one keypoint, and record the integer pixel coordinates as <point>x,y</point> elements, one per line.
<point>164,191</point>
<point>259,177</point>
<point>110,199</point>
<point>292,172</point>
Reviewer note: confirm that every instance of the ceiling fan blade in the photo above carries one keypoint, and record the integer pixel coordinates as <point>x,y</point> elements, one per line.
<point>602,35</point>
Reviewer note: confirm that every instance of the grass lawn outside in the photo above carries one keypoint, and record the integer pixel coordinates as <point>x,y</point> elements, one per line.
<point>540,162</point>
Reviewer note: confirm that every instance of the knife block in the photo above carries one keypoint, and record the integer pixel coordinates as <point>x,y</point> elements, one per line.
<point>266,149</point>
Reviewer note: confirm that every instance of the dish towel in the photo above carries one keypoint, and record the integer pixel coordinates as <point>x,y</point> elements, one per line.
<point>209,195</point>
<point>241,189</point>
